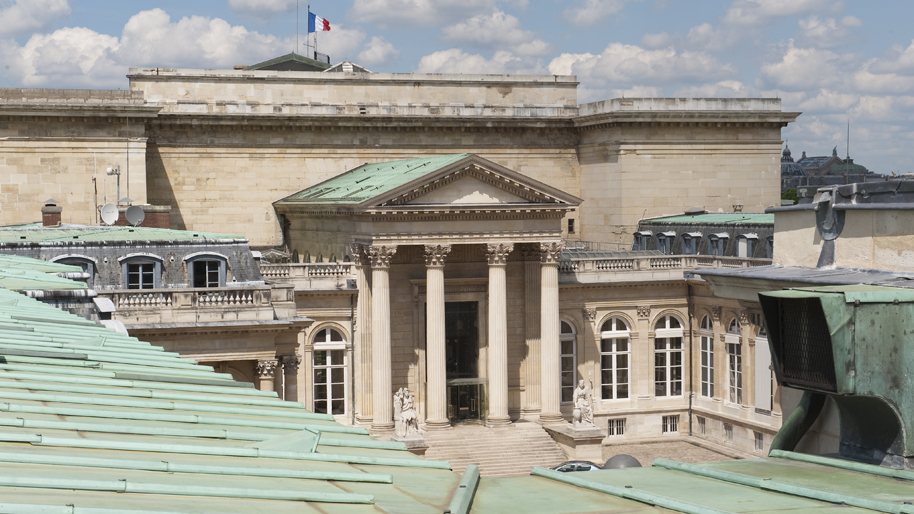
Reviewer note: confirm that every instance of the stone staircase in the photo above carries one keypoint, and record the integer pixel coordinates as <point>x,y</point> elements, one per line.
<point>499,452</point>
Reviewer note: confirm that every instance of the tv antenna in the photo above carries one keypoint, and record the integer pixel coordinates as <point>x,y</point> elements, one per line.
<point>135,215</point>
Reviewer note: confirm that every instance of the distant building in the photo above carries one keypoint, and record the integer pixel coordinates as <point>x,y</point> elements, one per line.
<point>822,170</point>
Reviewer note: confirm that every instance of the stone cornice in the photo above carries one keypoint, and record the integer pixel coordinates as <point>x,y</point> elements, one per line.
<point>41,112</point>
<point>772,119</point>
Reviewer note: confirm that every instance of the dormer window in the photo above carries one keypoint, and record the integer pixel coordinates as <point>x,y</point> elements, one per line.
<point>690,242</point>
<point>745,244</point>
<point>717,243</point>
<point>665,242</point>
<point>641,240</point>
<point>206,270</point>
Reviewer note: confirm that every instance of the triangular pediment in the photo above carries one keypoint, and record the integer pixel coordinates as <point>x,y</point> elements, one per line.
<point>467,190</point>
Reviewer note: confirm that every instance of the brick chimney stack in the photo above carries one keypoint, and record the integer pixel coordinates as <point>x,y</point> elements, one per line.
<point>50,213</point>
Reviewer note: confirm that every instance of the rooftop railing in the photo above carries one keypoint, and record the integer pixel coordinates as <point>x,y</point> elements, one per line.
<point>192,304</point>
<point>596,269</point>
<point>312,275</point>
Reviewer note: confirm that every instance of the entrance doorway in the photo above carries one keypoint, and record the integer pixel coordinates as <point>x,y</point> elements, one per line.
<point>466,392</point>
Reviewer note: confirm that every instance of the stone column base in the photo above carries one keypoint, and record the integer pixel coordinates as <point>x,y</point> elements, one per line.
<point>415,443</point>
<point>579,443</point>
<point>551,419</point>
<point>438,425</point>
<point>499,422</point>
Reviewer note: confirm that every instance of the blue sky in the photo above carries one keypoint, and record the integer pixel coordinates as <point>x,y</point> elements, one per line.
<point>833,60</point>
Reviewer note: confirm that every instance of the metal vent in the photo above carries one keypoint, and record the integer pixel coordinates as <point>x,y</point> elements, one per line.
<point>804,345</point>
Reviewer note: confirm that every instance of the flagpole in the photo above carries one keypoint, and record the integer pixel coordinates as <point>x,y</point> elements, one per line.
<point>297,17</point>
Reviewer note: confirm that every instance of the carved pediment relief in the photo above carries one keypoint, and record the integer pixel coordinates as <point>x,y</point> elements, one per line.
<point>473,185</point>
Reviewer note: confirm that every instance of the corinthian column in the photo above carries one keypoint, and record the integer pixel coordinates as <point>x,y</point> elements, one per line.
<point>498,334</point>
<point>550,356</point>
<point>436,358</point>
<point>382,388</point>
<point>362,402</point>
<point>290,364</point>
<point>266,373</point>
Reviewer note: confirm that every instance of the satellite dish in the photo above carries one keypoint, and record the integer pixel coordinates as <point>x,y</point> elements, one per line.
<point>109,214</point>
<point>135,215</point>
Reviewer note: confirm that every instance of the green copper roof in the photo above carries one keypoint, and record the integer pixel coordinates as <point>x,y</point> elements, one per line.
<point>35,233</point>
<point>847,166</point>
<point>97,422</point>
<point>286,58</point>
<point>27,274</point>
<point>371,180</point>
<point>715,218</point>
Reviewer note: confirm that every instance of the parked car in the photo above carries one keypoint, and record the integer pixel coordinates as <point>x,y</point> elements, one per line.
<point>577,465</point>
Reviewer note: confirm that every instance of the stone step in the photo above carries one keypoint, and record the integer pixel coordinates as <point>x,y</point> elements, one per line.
<point>511,451</point>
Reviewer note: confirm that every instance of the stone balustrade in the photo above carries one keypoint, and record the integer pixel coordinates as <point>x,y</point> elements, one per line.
<point>312,275</point>
<point>234,303</point>
<point>642,268</point>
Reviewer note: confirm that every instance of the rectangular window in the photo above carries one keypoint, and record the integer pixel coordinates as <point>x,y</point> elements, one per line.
<point>571,226</point>
<point>568,370</point>
<point>616,427</point>
<point>614,363</point>
<point>759,441</point>
<point>702,425</point>
<point>671,424</point>
<point>206,273</point>
<point>141,275</point>
<point>734,373</point>
<point>707,366</point>
<point>330,381</point>
<point>728,432</point>
<point>668,366</point>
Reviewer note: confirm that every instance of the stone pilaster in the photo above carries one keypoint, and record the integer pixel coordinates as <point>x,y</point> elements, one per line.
<point>382,386</point>
<point>436,358</point>
<point>550,357</point>
<point>497,254</point>
<point>362,403</point>
<point>266,373</point>
<point>530,409</point>
<point>290,367</point>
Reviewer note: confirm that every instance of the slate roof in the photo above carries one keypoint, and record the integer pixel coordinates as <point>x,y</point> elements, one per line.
<point>370,180</point>
<point>36,233</point>
<point>92,421</point>
<point>288,60</point>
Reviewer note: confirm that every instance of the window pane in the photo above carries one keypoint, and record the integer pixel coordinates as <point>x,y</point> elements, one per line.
<point>336,357</point>
<point>567,347</point>
<point>622,391</point>
<point>606,345</point>
<point>338,407</point>
<point>567,364</point>
<point>320,376</point>
<point>660,359</point>
<point>566,328</point>
<point>660,389</point>
<point>320,358</point>
<point>338,391</point>
<point>567,379</point>
<point>320,407</point>
<point>337,375</point>
<point>607,392</point>
<point>622,361</point>
<point>660,344</point>
<point>567,394</point>
<point>621,345</point>
<point>320,392</point>
<point>335,335</point>
<point>675,343</point>
<point>674,323</point>
<point>622,376</point>
<point>675,358</point>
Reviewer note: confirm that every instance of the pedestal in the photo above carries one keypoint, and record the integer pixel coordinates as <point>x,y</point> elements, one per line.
<point>415,443</point>
<point>578,443</point>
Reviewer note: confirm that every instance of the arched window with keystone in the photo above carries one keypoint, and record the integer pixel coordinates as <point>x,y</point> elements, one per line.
<point>206,269</point>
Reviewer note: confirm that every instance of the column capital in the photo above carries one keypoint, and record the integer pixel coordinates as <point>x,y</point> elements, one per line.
<point>590,314</point>
<point>266,368</point>
<point>497,253</point>
<point>550,252</point>
<point>358,252</point>
<point>381,255</point>
<point>290,364</point>
<point>435,255</point>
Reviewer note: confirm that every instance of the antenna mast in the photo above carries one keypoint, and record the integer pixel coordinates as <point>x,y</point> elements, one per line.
<point>297,16</point>
<point>848,146</point>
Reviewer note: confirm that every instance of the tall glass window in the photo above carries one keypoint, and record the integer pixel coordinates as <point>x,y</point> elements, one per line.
<point>329,371</point>
<point>734,364</point>
<point>668,357</point>
<point>569,361</point>
<point>615,359</point>
<point>141,275</point>
<point>706,338</point>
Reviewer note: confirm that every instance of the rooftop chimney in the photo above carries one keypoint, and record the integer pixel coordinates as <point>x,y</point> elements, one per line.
<point>50,213</point>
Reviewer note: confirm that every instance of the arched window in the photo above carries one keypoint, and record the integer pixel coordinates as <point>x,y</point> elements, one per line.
<point>141,271</point>
<point>665,242</point>
<point>569,361</point>
<point>87,265</point>
<point>206,270</point>
<point>329,371</point>
<point>706,337</point>
<point>734,363</point>
<point>690,242</point>
<point>668,357</point>
<point>717,243</point>
<point>615,359</point>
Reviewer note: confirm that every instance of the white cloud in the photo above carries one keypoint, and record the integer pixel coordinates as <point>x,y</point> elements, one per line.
<point>805,68</point>
<point>901,60</point>
<point>653,41</point>
<point>77,57</point>
<point>565,63</point>
<point>591,12</point>
<point>455,60</point>
<point>828,32</point>
<point>261,9</point>
<point>20,17</point>
<point>395,13</point>
<point>751,13</point>
<point>497,31</point>
<point>722,89</point>
<point>378,51</point>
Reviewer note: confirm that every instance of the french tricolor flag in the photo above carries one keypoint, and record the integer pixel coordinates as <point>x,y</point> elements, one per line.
<point>316,23</point>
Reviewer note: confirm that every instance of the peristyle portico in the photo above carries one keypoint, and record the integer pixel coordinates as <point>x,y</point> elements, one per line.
<point>457,263</point>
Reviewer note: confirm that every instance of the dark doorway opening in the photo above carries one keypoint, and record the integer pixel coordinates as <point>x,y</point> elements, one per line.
<point>466,392</point>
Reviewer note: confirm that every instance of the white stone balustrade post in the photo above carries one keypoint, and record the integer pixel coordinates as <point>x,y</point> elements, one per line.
<point>436,357</point>
<point>497,254</point>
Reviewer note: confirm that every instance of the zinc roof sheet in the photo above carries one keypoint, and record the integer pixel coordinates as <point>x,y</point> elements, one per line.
<point>714,218</point>
<point>370,180</point>
<point>82,233</point>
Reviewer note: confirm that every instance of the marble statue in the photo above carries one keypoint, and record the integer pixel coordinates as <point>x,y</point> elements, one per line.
<point>406,423</point>
<point>583,406</point>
